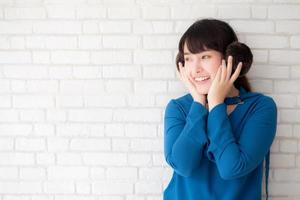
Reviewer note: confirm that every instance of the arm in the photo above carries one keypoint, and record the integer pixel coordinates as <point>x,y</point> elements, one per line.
<point>184,139</point>
<point>233,158</point>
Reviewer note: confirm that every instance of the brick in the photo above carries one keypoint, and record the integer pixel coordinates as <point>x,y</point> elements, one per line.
<point>121,72</point>
<point>284,188</point>
<point>57,144</point>
<point>285,101</point>
<point>124,173</point>
<point>123,13</point>
<point>284,12</point>
<point>137,115</point>
<point>121,42</point>
<point>284,26</point>
<point>83,188</point>
<point>287,174</point>
<point>120,145</point>
<point>90,115</point>
<point>240,11</point>
<point>81,86</point>
<point>60,12</point>
<point>40,57</point>
<point>114,130</point>
<point>14,27</point>
<point>33,101</point>
<point>155,12</point>
<point>139,159</point>
<point>285,56</point>
<point>152,27</point>
<point>148,187</point>
<point>146,57</point>
<point>140,130</point>
<point>21,159</point>
<point>141,100</point>
<point>160,42</point>
<point>45,159</point>
<point>70,57</point>
<point>263,41</point>
<point>69,159</point>
<point>86,72</point>
<point>286,86</point>
<point>105,159</point>
<point>6,144</point>
<point>57,27</point>
<point>65,101</point>
<point>259,12</point>
<point>20,187</point>
<point>91,12</point>
<point>9,57</point>
<point>252,26</point>
<point>150,86</point>
<point>112,187</point>
<point>269,71</point>
<point>192,12</point>
<point>90,27</point>
<point>284,130</point>
<point>288,146</point>
<point>59,187</point>
<point>114,27</point>
<point>7,173</point>
<point>282,160</point>
<point>118,86</point>
<point>149,145</point>
<point>295,42</point>
<point>25,72</point>
<point>288,115</point>
<point>30,144</point>
<point>90,42</point>
<point>90,144</point>
<point>111,57</point>
<point>67,173</point>
<point>33,173</point>
<point>25,13</point>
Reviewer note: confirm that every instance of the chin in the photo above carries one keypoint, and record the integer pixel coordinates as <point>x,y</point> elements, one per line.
<point>202,90</point>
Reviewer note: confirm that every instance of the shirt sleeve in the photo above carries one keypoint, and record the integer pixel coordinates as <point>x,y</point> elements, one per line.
<point>184,137</point>
<point>235,159</point>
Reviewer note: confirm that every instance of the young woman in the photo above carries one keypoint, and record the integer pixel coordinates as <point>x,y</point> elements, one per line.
<point>217,136</point>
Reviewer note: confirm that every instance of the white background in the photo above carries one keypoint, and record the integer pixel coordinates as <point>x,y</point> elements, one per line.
<point>84,84</point>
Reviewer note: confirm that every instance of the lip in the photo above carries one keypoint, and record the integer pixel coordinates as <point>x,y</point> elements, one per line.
<point>202,79</point>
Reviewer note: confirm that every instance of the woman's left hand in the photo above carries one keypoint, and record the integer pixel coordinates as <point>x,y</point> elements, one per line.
<point>222,83</point>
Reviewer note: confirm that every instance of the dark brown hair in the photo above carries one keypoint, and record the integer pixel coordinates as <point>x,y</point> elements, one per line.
<point>210,34</point>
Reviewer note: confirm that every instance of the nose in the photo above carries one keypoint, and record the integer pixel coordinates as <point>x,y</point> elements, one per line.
<point>196,68</point>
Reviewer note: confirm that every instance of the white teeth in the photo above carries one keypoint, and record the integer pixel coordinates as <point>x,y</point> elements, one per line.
<point>202,78</point>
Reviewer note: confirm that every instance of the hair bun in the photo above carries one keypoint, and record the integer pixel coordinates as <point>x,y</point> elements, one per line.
<point>240,53</point>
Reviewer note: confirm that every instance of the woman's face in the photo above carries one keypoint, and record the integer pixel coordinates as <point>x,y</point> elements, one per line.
<point>202,67</point>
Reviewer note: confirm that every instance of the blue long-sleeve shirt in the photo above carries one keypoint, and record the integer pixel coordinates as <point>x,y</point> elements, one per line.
<point>215,155</point>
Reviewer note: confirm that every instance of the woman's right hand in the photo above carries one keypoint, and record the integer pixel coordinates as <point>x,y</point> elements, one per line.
<point>185,77</point>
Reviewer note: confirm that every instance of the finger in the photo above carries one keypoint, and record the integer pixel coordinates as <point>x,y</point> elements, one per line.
<point>237,72</point>
<point>217,76</point>
<point>223,73</point>
<point>229,67</point>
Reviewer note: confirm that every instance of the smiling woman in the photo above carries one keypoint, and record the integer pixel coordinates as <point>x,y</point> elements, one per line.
<point>216,154</point>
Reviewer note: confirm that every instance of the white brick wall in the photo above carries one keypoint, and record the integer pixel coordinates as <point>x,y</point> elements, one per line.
<point>84,84</point>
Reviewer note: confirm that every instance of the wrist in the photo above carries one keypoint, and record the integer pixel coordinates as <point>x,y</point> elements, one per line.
<point>212,104</point>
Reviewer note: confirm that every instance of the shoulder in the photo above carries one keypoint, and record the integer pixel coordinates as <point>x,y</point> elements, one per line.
<point>180,104</point>
<point>263,105</point>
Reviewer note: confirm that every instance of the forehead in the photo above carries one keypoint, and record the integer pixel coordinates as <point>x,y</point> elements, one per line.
<point>187,51</point>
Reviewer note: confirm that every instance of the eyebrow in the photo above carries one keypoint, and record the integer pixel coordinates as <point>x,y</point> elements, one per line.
<point>188,53</point>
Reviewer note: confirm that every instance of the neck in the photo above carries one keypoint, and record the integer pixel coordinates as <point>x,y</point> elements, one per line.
<point>233,92</point>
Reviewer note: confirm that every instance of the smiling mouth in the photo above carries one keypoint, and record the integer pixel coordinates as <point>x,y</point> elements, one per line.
<point>201,79</point>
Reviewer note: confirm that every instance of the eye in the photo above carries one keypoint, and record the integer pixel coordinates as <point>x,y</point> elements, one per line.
<point>205,56</point>
<point>186,59</point>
